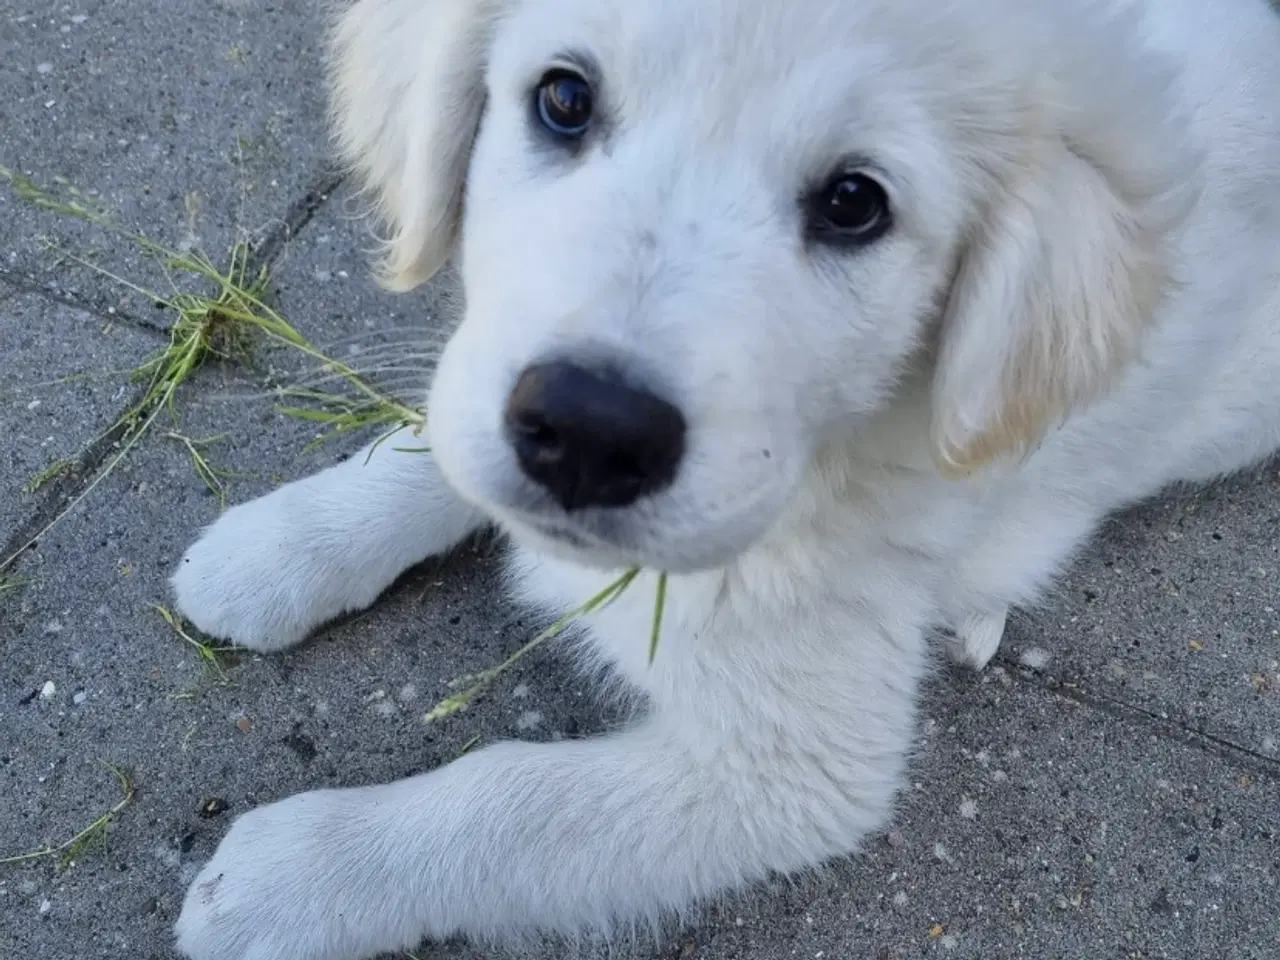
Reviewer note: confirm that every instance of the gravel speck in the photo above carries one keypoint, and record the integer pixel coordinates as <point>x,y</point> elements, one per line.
<point>1034,658</point>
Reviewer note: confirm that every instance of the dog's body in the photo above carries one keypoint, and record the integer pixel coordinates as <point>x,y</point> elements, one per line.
<point>1077,303</point>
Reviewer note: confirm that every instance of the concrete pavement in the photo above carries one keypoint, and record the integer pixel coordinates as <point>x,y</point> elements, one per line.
<point>1110,788</point>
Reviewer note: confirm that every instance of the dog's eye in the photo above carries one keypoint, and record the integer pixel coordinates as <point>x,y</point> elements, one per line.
<point>564,104</point>
<point>851,209</point>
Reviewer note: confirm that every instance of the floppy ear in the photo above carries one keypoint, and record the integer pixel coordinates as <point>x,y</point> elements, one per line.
<point>408,94</point>
<point>1051,300</point>
<point>1067,270</point>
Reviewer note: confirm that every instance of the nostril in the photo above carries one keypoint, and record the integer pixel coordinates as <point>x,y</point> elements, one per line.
<point>536,434</point>
<point>624,468</point>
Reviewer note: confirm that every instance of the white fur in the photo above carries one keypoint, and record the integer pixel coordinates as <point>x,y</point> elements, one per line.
<point>1078,305</point>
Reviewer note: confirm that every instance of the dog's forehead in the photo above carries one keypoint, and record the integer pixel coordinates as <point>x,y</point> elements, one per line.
<point>740,45</point>
<point>796,65</point>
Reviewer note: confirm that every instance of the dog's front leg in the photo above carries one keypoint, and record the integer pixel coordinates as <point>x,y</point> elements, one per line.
<point>270,571</point>
<point>567,837</point>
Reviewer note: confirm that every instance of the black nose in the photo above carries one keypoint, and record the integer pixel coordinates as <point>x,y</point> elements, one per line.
<point>591,440</point>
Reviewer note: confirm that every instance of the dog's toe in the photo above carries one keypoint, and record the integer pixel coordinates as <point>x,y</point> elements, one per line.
<point>978,638</point>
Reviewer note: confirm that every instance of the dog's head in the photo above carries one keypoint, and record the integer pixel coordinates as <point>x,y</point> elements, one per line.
<point>698,240</point>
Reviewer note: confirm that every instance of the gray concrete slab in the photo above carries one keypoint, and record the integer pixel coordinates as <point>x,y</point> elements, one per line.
<point>195,123</point>
<point>1176,610</point>
<point>1117,796</point>
<point>65,380</point>
<point>1039,827</point>
<point>93,674</point>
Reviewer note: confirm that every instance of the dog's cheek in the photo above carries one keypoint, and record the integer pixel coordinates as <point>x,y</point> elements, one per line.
<point>463,416</point>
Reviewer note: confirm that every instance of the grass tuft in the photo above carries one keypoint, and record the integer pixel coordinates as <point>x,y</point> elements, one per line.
<point>218,321</point>
<point>215,478</point>
<point>49,474</point>
<point>659,607</point>
<point>11,583</point>
<point>221,321</point>
<point>477,682</point>
<point>210,654</point>
<point>70,851</point>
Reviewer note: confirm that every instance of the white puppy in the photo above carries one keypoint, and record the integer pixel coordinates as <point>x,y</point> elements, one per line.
<point>856,316</point>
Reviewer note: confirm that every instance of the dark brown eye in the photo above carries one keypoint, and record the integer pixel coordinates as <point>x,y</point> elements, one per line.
<point>564,104</point>
<point>852,209</point>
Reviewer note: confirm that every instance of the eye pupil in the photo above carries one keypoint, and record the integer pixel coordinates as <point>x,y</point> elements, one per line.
<point>852,208</point>
<point>564,104</point>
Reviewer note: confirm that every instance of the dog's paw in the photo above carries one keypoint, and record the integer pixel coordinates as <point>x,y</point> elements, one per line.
<point>267,573</point>
<point>284,884</point>
<point>977,639</point>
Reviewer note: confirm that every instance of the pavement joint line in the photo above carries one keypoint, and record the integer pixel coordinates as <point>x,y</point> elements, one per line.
<point>300,213</point>
<point>264,254</point>
<point>25,287</point>
<point>62,489</point>
<point>1132,715</point>
<point>90,460</point>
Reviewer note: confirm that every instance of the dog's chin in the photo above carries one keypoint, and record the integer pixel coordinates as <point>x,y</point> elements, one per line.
<point>565,543</point>
<point>561,538</point>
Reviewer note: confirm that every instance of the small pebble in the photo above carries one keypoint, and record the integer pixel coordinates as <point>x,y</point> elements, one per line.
<point>244,724</point>
<point>44,68</point>
<point>79,698</point>
<point>48,690</point>
<point>529,720</point>
<point>213,807</point>
<point>1034,658</point>
<point>968,809</point>
<point>45,907</point>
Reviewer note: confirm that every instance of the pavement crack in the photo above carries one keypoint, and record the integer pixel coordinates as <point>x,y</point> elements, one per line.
<point>24,286</point>
<point>64,489</point>
<point>60,491</point>
<point>1165,727</point>
<point>265,253</point>
<point>299,214</point>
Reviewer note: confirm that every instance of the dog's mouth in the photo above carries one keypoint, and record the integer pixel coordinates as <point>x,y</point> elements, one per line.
<point>567,541</point>
<point>559,533</point>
